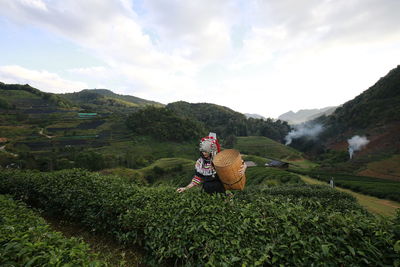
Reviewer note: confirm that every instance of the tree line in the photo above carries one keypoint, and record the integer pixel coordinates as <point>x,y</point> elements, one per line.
<point>181,121</point>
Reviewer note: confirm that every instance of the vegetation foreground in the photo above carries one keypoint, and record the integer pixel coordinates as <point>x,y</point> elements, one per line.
<point>295,225</point>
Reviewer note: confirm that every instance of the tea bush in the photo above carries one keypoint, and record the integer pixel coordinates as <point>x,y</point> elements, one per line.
<point>131,175</point>
<point>255,227</point>
<point>26,240</point>
<point>319,194</point>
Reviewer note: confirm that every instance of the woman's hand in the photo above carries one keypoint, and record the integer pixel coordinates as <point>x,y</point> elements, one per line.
<point>181,189</point>
<point>242,169</point>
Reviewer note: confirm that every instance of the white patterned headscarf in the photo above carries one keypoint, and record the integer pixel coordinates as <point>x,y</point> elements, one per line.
<point>210,144</point>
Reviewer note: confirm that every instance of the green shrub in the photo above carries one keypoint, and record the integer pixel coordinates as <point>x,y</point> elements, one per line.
<point>257,176</point>
<point>131,175</point>
<point>256,227</point>
<point>164,125</point>
<point>26,240</point>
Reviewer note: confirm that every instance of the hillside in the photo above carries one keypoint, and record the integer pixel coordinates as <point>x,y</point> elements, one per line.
<point>377,106</point>
<point>374,114</point>
<point>98,129</point>
<point>126,98</point>
<point>107,100</point>
<point>96,94</point>
<point>24,97</point>
<point>45,131</point>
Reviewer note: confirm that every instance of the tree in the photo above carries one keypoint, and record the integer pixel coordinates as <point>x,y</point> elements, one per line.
<point>92,161</point>
<point>162,124</point>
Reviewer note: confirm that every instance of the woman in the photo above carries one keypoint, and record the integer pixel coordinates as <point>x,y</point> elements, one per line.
<point>205,174</point>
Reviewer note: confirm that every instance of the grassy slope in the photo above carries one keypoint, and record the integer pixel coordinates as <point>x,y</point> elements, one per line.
<point>265,147</point>
<point>372,204</point>
<point>15,132</point>
<point>140,146</point>
<point>15,96</point>
<point>387,168</point>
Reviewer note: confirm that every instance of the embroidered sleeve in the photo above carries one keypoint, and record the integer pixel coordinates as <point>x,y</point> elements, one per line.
<point>197,180</point>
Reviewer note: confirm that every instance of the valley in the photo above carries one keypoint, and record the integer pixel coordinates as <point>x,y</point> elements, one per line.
<point>105,167</point>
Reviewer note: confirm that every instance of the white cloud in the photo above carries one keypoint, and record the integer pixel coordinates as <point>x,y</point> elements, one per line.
<point>35,4</point>
<point>253,56</point>
<point>196,30</point>
<point>100,70</point>
<point>43,80</point>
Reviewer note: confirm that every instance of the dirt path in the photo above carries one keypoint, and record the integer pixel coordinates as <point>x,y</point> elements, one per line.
<point>373,204</point>
<point>109,250</point>
<point>48,136</point>
<point>3,148</point>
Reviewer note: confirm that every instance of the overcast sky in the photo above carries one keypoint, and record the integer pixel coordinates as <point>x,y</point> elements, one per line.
<point>254,56</point>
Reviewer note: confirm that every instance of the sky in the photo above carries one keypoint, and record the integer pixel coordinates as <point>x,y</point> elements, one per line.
<point>254,56</point>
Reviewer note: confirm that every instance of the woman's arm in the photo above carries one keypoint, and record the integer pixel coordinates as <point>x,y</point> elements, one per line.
<point>181,189</point>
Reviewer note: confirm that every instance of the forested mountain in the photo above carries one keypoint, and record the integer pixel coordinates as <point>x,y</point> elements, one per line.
<point>108,98</point>
<point>374,115</point>
<point>127,98</point>
<point>216,118</point>
<point>227,122</point>
<point>164,125</point>
<point>378,105</point>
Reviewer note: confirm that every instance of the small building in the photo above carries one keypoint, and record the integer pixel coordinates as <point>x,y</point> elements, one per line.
<point>87,115</point>
<point>277,164</point>
<point>250,163</point>
<point>3,140</point>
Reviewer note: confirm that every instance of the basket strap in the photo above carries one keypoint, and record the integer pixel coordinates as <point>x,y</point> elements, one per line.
<point>234,182</point>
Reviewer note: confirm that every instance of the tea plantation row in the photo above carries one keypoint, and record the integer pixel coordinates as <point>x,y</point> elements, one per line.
<point>270,177</point>
<point>257,227</point>
<point>26,240</point>
<point>381,188</point>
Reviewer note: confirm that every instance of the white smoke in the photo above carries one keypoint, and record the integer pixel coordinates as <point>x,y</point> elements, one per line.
<point>310,131</point>
<point>356,143</point>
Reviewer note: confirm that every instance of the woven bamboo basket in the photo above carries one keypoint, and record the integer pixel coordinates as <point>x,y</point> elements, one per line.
<point>227,163</point>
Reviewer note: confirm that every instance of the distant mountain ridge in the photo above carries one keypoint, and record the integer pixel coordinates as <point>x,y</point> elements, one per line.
<point>254,116</point>
<point>304,115</point>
